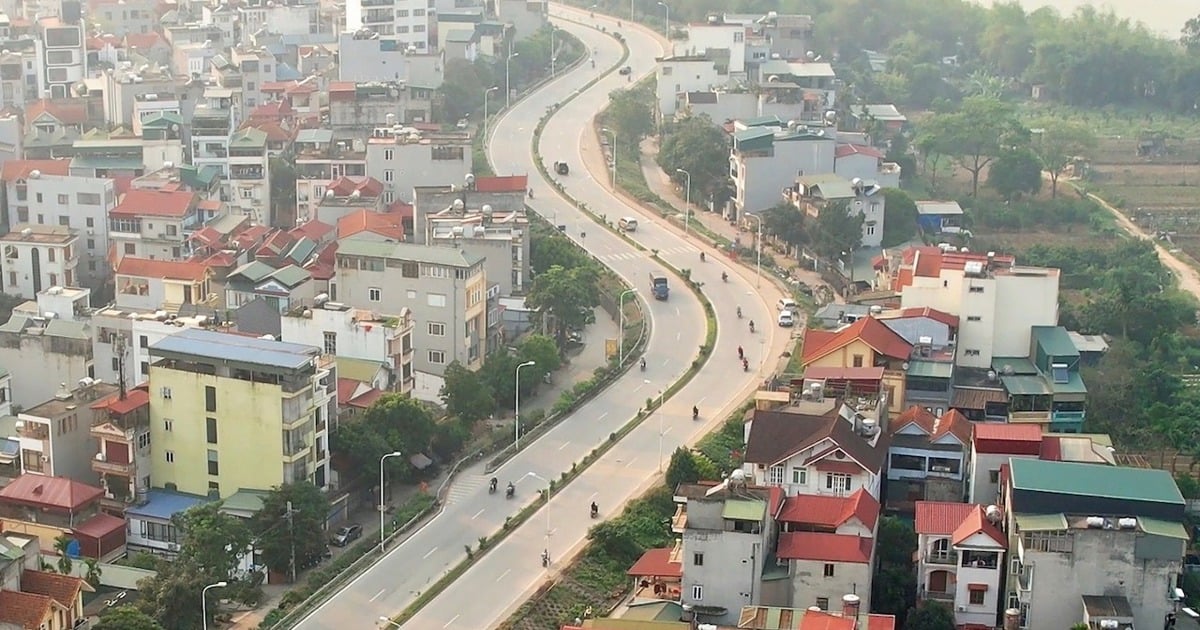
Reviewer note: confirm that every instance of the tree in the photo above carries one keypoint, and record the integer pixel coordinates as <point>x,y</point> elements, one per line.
<point>837,232</point>
<point>213,541</point>
<point>393,423</point>
<point>900,217</point>
<point>699,147</point>
<point>1016,172</point>
<point>568,294</point>
<point>300,538</point>
<point>62,546</point>
<point>629,113</point>
<point>930,615</point>
<point>894,587</point>
<point>555,249</point>
<point>466,395</point>
<point>682,469</point>
<point>126,617</point>
<point>1189,36</point>
<point>785,222</point>
<point>462,89</point>
<point>1058,144</point>
<point>283,188</point>
<point>975,135</point>
<point>542,351</point>
<point>172,596</point>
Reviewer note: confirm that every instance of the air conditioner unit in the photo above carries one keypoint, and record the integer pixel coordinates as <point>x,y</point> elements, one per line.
<point>962,609</point>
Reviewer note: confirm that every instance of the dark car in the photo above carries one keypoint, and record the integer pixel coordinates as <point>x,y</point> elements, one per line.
<point>346,535</point>
<point>625,70</point>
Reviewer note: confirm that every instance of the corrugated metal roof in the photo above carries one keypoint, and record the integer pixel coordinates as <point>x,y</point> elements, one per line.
<point>744,509</point>
<point>1095,480</point>
<point>1041,522</point>
<point>238,348</point>
<point>1158,527</point>
<point>1055,341</point>
<point>1025,385</point>
<point>930,369</point>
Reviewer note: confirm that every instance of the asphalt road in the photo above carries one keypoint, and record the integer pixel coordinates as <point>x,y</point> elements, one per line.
<point>511,571</point>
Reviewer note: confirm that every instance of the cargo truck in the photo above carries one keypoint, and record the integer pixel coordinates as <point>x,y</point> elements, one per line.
<point>658,286</point>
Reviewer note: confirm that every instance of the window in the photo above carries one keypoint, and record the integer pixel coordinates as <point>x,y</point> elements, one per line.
<point>64,220</point>
<point>823,603</point>
<point>12,278</point>
<point>976,289</point>
<point>698,559</point>
<point>330,342</point>
<point>437,357</point>
<point>697,592</point>
<point>976,598</point>
<point>64,199</point>
<point>170,455</point>
<point>210,398</point>
<point>210,428</point>
<point>418,12</point>
<point>143,441</point>
<point>90,221</point>
<point>437,329</point>
<point>143,341</point>
<point>775,476</point>
<point>389,154</point>
<point>739,37</point>
<point>828,570</point>
<point>116,364</point>
<point>214,467</point>
<point>971,352</point>
<point>145,367</point>
<point>974,318</point>
<point>91,243</point>
<point>410,294</point>
<point>214,489</point>
<point>50,255</point>
<point>800,476</point>
<point>23,214</point>
<point>858,360</point>
<point>168,425</point>
<point>389,175</point>
<point>837,482</point>
<point>1050,542</point>
<point>87,199</point>
<point>436,299</point>
<point>374,294</point>
<point>994,476</point>
<point>401,13</point>
<point>130,249</point>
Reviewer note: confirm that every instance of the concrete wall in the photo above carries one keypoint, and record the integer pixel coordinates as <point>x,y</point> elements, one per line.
<point>809,583</point>
<point>44,363</point>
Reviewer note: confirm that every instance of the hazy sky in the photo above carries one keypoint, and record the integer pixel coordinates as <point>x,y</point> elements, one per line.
<point>1163,16</point>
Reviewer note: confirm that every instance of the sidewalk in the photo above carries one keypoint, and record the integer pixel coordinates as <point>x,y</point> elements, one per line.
<point>578,366</point>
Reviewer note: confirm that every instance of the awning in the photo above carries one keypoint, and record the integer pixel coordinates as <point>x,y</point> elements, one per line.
<point>100,526</point>
<point>974,586</point>
<point>977,398</point>
<point>1041,522</point>
<point>849,468</point>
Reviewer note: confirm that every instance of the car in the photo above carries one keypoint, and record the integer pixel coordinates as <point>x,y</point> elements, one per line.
<point>628,224</point>
<point>625,70</point>
<point>786,304</point>
<point>561,168</point>
<point>786,319</point>
<point>462,123</point>
<point>346,535</point>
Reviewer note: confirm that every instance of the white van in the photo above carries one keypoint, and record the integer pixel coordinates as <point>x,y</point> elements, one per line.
<point>627,224</point>
<point>786,304</point>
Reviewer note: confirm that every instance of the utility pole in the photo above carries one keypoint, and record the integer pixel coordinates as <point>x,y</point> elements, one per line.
<point>292,540</point>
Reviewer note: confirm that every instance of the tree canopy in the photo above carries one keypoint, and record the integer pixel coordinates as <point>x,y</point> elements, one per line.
<point>630,114</point>
<point>699,147</point>
<point>393,423</point>
<point>1058,143</point>
<point>930,615</point>
<point>126,617</point>
<point>1016,172</point>
<point>837,231</point>
<point>466,395</point>
<point>974,135</point>
<point>213,541</point>
<point>277,538</point>
<point>566,294</point>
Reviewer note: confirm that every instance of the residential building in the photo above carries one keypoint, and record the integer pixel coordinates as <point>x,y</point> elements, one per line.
<point>44,192</point>
<point>848,617</point>
<point>855,160</point>
<point>346,195</point>
<point>168,285</point>
<point>124,335</point>
<point>50,507</point>
<point>49,350</point>
<point>120,19</point>
<point>38,257</point>
<point>55,435</point>
<point>929,377</point>
<point>6,405</point>
<point>867,343</point>
<point>283,289</point>
<point>406,23</point>
<point>927,457</point>
<point>505,194</point>
<point>61,43</point>
<point>993,445</point>
<point>499,238</point>
<point>377,58</point>
<point>153,224</point>
<point>717,38</point>
<point>342,331</point>
<point>873,118</point>
<point>151,527</point>
<point>249,172</point>
<point>43,600</point>
<point>205,181</point>
<point>960,559</point>
<point>1092,540</point>
<point>52,127</point>
<point>1044,387</point>
<point>203,383</point>
<point>152,105</point>
<point>256,67</point>
<point>297,19</point>
<point>322,157</point>
<point>389,225</point>
<point>818,446</point>
<point>827,544</point>
<point>403,161</point>
<point>681,74</point>
<point>445,288</point>
<point>938,217</point>
<point>379,106</point>
<point>213,121</point>
<point>120,426</point>
<point>766,157</point>
<point>813,194</point>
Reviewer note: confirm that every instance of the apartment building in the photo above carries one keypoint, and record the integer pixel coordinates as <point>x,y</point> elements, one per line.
<point>153,224</point>
<point>445,289</point>
<point>123,18</point>
<point>766,158</point>
<point>213,121</point>
<point>249,172</point>
<point>120,427</point>
<point>501,239</point>
<point>960,559</point>
<point>347,195</point>
<point>55,435</point>
<point>927,457</point>
<point>405,158</point>
<point>124,334</point>
<point>38,257</point>
<point>50,349</point>
<point>256,68</point>
<point>61,44</point>
<point>377,58</point>
<point>1092,543</point>
<point>354,333</point>
<point>322,157</point>
<point>372,105</point>
<point>408,23</point>
<point>295,19</point>
<point>45,193</point>
<point>202,386</point>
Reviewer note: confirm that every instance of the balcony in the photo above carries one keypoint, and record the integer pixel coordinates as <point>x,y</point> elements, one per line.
<point>1067,420</point>
<point>296,454</point>
<point>113,468</point>
<point>1035,417</point>
<point>33,430</point>
<point>942,557</point>
<point>679,521</point>
<point>941,596</point>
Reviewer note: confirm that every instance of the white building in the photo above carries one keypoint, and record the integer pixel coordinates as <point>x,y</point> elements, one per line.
<point>321,158</point>
<point>992,446</point>
<point>960,559</point>
<point>249,172</point>
<point>813,194</point>
<point>765,159</point>
<point>282,18</point>
<point>65,60</point>
<point>153,224</point>
<point>358,334</point>
<point>55,435</point>
<point>677,75</point>
<point>407,160</point>
<point>48,350</point>
<point>501,239</point>
<point>827,544</point>
<point>715,36</point>
<point>137,330</point>
<point>150,526</point>
<point>43,192</point>
<point>404,22</point>
<point>377,58</point>
<point>38,257</point>
<point>122,17</point>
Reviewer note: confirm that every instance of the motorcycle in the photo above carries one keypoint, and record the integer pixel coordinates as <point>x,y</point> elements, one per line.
<point>739,312</point>
<point>545,558</point>
<point>492,486</point>
<point>510,491</point>
<point>752,326</point>
<point>695,413</point>
<point>741,353</point>
<point>643,364</point>
<point>595,510</point>
<point>724,277</point>
<point>702,258</point>
<point>745,365</point>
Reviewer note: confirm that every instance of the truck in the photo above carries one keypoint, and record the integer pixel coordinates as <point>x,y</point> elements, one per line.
<point>658,286</point>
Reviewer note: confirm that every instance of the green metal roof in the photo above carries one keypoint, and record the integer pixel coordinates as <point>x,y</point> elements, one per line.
<point>1026,385</point>
<point>360,370</point>
<point>759,121</point>
<point>254,271</point>
<point>1055,341</point>
<point>199,176</point>
<point>1168,529</point>
<point>162,120</point>
<point>930,369</point>
<point>1074,385</point>
<point>96,161</point>
<point>753,133</point>
<point>1019,365</point>
<point>66,329</point>
<point>373,248</point>
<point>249,137</point>
<point>291,276</point>
<point>244,501</point>
<point>744,509</point>
<point>1094,480</point>
<point>1041,522</point>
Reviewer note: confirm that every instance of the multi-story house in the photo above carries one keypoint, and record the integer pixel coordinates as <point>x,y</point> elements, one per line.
<point>1086,537</point>
<point>289,19</point>
<point>929,377</point>
<point>124,334</point>
<point>378,105</point>
<point>813,194</point>
<point>153,105</point>
<point>505,194</point>
<point>994,445</point>
<point>167,285</point>
<point>927,457</point>
<point>202,386</point>
<point>50,507</point>
<point>41,600</point>
<point>204,181</point>
<point>15,90</point>
<point>151,527</point>
<point>445,288</point>
<point>408,23</point>
<point>38,257</point>
<point>1044,387</point>
<point>213,121</point>
<point>43,192</point>
<point>403,160</point>
<point>867,343</point>
<point>819,446</point>
<point>61,43</point>
<point>123,18</point>
<point>49,349</point>
<point>346,195</point>
<point>500,238</point>
<point>249,173</point>
<point>960,559</point>
<point>684,73</point>
<point>55,435</point>
<point>257,67</point>
<point>377,58</point>
<point>358,334</point>
<point>120,426</point>
<point>282,289</point>
<point>321,158</point>
<point>153,224</point>
<point>767,157</point>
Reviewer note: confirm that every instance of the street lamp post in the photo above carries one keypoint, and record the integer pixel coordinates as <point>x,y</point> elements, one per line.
<point>391,624</point>
<point>485,110</point>
<point>548,488</point>
<point>614,153</point>
<point>661,397</point>
<point>667,9</point>
<point>552,57</point>
<point>758,247</point>
<point>507,84</point>
<point>687,216</point>
<point>204,602</point>
<point>517,406</point>
<point>621,333</point>
<point>382,501</point>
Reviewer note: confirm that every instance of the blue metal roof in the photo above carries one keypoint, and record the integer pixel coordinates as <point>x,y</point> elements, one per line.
<point>227,347</point>
<point>163,504</point>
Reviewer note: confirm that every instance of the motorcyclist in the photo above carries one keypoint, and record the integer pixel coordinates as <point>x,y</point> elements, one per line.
<point>745,365</point>
<point>511,490</point>
<point>531,193</point>
<point>724,277</point>
<point>643,364</point>
<point>494,482</point>
<point>739,312</point>
<point>695,412</point>
<point>741,353</point>
<point>595,509</point>
<point>752,325</point>
<point>701,256</point>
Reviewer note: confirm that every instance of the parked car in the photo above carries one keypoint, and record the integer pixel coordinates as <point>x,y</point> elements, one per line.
<point>786,304</point>
<point>625,70</point>
<point>786,319</point>
<point>346,535</point>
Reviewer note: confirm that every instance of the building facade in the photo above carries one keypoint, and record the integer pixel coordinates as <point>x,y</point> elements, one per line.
<point>38,257</point>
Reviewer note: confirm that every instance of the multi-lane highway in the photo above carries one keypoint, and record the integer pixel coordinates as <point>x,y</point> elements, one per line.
<point>506,575</point>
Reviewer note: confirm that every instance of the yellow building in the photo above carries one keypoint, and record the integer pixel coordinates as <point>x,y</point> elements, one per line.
<point>230,412</point>
<point>862,346</point>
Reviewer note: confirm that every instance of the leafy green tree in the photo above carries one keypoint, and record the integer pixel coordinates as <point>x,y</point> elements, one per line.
<point>1016,172</point>
<point>542,351</point>
<point>630,114</point>
<point>61,545</point>
<point>836,231</point>
<point>1190,34</point>
<point>283,188</point>
<point>461,92</point>
<point>549,251</point>
<point>466,395</point>
<point>213,541</point>
<point>499,374</point>
<point>1058,144</point>
<point>975,135</point>
<point>682,469</point>
<point>785,222</point>
<point>569,295</point>
<point>172,596</point>
<point>900,217</point>
<point>93,573</point>
<point>393,423</point>
<point>930,615</point>
<point>894,588</point>
<point>126,617</point>
<point>699,147</point>
<point>301,537</point>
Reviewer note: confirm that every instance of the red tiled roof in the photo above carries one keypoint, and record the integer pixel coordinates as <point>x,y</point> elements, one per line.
<point>209,204</point>
<point>976,522</point>
<point>366,186</point>
<point>881,622</point>
<point>830,511</point>
<point>1008,439</point>
<point>366,399</point>
<point>405,210</point>
<point>64,589</point>
<point>73,113</point>
<point>509,183</point>
<point>823,547</point>
<point>275,244</point>
<point>100,525</point>
<point>162,269</point>
<point>143,41</point>
<point>153,203</point>
<point>20,169</point>
<point>386,224</point>
<point>656,563</point>
<point>114,403</point>
<point>98,43</point>
<point>931,313</point>
<point>940,518</point>
<point>251,235</point>
<point>275,132</point>
<point>220,259</point>
<point>314,229</point>
<point>207,235</point>
<point>951,422</point>
<point>820,620</point>
<point>848,149</point>
<point>868,329</point>
<point>25,610</point>
<point>346,388</point>
<point>57,492</point>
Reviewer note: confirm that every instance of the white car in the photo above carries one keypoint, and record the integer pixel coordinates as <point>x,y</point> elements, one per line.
<point>786,319</point>
<point>786,304</point>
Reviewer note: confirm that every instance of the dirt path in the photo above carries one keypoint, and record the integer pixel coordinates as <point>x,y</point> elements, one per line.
<point>1189,279</point>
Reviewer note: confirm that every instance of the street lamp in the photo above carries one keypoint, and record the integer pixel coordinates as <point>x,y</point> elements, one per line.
<point>552,57</point>
<point>661,397</point>
<point>390,623</point>
<point>517,408</point>
<point>204,602</point>
<point>758,247</point>
<point>507,84</point>
<point>382,502</point>
<point>687,217</point>
<point>548,488</point>
<point>485,110</point>
<point>668,12</point>
<point>621,334</point>
<point>614,152</point>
